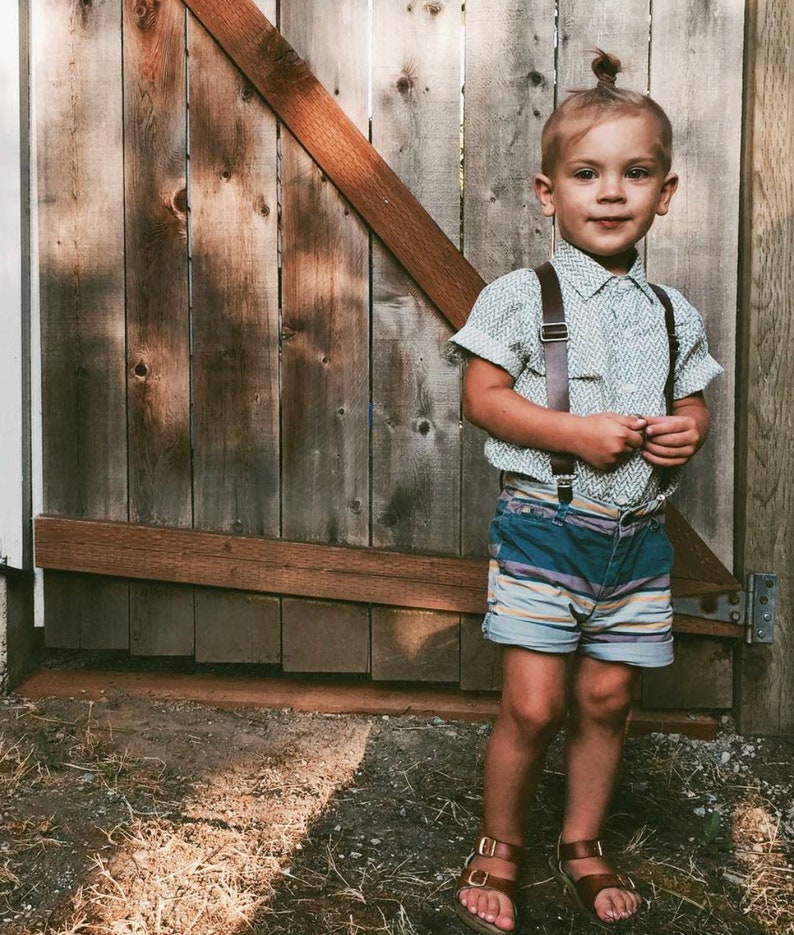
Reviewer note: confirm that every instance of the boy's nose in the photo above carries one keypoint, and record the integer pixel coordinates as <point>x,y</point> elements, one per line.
<point>611,189</point>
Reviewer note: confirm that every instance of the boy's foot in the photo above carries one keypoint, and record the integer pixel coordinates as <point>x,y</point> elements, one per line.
<point>612,904</point>
<point>487,887</point>
<point>599,891</point>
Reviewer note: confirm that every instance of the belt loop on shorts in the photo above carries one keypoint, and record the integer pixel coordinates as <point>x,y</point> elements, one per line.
<point>562,512</point>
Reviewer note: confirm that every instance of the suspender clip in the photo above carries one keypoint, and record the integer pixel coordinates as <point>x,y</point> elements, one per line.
<point>565,487</point>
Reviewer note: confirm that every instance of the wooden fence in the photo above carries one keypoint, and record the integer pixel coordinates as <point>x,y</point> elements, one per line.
<point>227,348</point>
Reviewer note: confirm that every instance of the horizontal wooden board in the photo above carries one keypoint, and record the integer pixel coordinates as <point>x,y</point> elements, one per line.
<point>276,566</point>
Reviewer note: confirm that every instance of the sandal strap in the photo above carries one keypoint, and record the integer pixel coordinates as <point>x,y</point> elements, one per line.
<point>590,886</point>
<point>578,850</point>
<point>490,847</point>
<point>481,879</point>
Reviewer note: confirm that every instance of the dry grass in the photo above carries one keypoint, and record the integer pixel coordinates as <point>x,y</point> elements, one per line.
<point>189,821</point>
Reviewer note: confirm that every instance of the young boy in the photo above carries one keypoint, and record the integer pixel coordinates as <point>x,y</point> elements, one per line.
<point>579,592</point>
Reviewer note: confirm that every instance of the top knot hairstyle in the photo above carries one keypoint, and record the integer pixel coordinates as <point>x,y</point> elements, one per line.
<point>604,101</point>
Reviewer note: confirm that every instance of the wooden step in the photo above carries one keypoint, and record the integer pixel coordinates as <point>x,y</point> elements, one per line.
<point>317,696</point>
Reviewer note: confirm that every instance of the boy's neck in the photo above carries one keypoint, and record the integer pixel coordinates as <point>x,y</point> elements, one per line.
<point>618,265</point>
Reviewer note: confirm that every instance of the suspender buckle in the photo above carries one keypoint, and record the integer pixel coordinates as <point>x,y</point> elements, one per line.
<point>553,331</point>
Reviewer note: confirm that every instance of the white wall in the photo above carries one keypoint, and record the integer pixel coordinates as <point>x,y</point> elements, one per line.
<point>12,401</point>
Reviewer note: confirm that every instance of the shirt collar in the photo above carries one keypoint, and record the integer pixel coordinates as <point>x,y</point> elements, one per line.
<point>587,276</point>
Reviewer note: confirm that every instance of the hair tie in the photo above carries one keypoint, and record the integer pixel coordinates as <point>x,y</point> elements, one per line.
<point>607,80</point>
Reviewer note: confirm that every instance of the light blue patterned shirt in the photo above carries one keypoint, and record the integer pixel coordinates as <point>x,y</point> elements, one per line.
<point>617,360</point>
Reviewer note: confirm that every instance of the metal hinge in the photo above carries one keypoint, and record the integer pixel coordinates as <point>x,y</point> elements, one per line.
<point>760,623</point>
<point>753,609</point>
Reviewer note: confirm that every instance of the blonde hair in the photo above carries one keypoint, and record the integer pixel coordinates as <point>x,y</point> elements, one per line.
<point>604,98</point>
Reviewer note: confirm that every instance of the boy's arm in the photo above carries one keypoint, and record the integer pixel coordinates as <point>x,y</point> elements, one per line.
<point>490,402</point>
<point>670,441</point>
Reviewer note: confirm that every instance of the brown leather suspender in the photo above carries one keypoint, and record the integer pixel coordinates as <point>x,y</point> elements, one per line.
<point>554,340</point>
<point>672,340</point>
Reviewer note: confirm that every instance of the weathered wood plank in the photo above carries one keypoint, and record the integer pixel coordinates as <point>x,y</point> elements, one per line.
<point>233,240</point>
<point>766,541</point>
<point>415,645</point>
<point>696,75</point>
<point>480,659</point>
<point>415,384</point>
<point>77,92</point>
<point>157,300</point>
<point>334,142</point>
<point>156,261</point>
<point>86,613</point>
<point>324,636</point>
<point>509,94</point>
<point>325,300</point>
<point>275,565</point>
<point>161,620</point>
<point>700,677</point>
<point>232,626</point>
<point>326,330</point>
<point>235,322</point>
<point>614,25</point>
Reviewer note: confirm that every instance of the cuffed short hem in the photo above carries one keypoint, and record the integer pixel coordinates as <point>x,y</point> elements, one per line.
<point>646,655</point>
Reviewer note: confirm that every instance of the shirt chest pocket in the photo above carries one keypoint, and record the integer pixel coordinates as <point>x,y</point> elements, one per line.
<point>585,380</point>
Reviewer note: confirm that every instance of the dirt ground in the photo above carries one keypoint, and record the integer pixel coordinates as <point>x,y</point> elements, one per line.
<point>128,816</point>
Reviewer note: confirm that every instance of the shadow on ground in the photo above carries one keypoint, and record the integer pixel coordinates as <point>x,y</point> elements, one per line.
<point>131,817</point>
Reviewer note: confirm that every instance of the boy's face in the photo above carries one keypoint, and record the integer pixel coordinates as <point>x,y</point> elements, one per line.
<point>609,183</point>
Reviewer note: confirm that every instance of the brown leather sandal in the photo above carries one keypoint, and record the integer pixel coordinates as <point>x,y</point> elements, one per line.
<point>481,879</point>
<point>585,889</point>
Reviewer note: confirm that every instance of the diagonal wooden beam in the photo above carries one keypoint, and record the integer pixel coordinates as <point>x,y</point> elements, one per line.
<point>288,85</point>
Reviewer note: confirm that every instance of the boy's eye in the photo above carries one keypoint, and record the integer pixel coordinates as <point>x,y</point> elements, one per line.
<point>585,175</point>
<point>637,173</point>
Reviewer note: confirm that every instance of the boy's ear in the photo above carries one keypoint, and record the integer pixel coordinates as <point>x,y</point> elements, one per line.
<point>544,192</point>
<point>669,186</point>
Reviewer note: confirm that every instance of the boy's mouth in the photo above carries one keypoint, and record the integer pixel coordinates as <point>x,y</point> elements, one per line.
<point>610,222</point>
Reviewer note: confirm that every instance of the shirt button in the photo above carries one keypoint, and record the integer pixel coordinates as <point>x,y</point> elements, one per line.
<point>629,388</point>
<point>624,284</point>
<point>621,501</point>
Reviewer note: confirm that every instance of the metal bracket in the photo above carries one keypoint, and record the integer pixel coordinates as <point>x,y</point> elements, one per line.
<point>761,592</point>
<point>753,609</point>
<point>727,608</point>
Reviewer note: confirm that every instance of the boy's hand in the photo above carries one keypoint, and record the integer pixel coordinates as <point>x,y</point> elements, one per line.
<point>670,441</point>
<point>607,438</point>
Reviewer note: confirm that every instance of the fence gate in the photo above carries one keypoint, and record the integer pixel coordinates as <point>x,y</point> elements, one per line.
<point>252,440</point>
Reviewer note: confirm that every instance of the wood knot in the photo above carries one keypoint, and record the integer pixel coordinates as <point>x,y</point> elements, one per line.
<point>179,202</point>
<point>536,78</point>
<point>247,92</point>
<point>422,426</point>
<point>404,84</point>
<point>434,7</point>
<point>141,370</point>
<point>263,209</point>
<point>146,13</point>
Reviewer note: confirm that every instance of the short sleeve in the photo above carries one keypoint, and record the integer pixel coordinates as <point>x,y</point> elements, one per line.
<point>504,321</point>
<point>695,367</point>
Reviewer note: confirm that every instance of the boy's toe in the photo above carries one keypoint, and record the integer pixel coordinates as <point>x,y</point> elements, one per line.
<point>615,905</point>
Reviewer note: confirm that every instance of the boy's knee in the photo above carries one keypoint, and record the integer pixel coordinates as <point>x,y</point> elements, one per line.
<point>536,717</point>
<point>605,705</point>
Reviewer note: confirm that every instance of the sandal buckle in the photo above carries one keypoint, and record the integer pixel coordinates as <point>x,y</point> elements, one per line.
<point>486,847</point>
<point>478,878</point>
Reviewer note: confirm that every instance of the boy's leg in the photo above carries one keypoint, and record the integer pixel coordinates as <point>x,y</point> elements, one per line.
<point>531,712</point>
<point>600,700</point>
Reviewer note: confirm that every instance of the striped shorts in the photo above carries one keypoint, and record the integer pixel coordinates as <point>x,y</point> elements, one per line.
<point>584,577</point>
